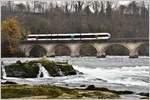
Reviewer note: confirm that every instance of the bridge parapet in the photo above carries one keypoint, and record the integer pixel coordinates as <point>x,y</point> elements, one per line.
<point>88,41</point>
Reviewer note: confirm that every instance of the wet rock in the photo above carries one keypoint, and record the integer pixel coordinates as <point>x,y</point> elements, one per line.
<point>18,74</point>
<point>52,56</point>
<point>30,69</point>
<point>78,72</point>
<point>91,87</point>
<point>66,84</point>
<point>144,94</point>
<point>72,73</point>
<point>18,62</point>
<point>124,92</point>
<point>101,56</point>
<point>41,75</point>
<point>67,69</point>
<point>9,82</point>
<point>82,85</point>
<point>22,70</point>
<point>133,56</point>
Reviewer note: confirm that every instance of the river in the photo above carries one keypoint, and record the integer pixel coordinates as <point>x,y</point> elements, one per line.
<point>113,72</point>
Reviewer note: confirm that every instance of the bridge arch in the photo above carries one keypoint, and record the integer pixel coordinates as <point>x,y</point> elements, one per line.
<point>37,51</point>
<point>87,50</point>
<point>62,50</point>
<point>116,49</point>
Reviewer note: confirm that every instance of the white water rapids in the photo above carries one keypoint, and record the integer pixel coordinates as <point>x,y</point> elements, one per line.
<point>42,71</point>
<point>3,72</point>
<point>126,75</point>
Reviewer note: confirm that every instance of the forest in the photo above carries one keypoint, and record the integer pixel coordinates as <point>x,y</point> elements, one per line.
<point>36,17</point>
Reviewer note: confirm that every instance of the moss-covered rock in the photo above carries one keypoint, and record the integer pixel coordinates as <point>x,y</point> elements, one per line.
<point>52,92</point>
<point>54,67</point>
<point>15,91</point>
<point>67,69</point>
<point>22,70</point>
<point>92,87</point>
<point>8,82</point>
<point>144,94</point>
<point>100,95</point>
<point>30,69</point>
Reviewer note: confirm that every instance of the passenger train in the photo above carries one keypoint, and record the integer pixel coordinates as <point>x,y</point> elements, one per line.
<point>68,36</point>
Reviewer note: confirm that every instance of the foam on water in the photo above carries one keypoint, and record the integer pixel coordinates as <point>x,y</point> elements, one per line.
<point>4,72</point>
<point>43,71</point>
<point>123,75</point>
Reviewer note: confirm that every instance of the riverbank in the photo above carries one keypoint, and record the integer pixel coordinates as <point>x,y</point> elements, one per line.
<point>51,92</point>
<point>12,90</point>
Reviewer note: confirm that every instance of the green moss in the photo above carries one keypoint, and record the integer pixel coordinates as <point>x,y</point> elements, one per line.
<point>100,95</point>
<point>53,67</point>
<point>23,70</point>
<point>66,62</point>
<point>18,91</point>
<point>92,87</point>
<point>51,91</point>
<point>145,98</point>
<point>29,69</point>
<point>67,69</point>
<point>50,66</point>
<point>15,92</point>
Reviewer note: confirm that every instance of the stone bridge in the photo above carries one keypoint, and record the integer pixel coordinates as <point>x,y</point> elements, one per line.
<point>132,45</point>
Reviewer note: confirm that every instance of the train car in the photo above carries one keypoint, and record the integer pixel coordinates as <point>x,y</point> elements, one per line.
<point>68,36</point>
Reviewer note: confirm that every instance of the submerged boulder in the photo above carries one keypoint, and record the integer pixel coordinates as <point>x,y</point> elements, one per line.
<point>144,94</point>
<point>30,69</point>
<point>91,87</point>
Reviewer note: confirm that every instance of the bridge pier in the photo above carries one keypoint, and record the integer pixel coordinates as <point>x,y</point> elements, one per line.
<point>100,49</point>
<point>50,54</point>
<point>75,54</point>
<point>133,54</point>
<point>133,49</point>
<point>27,53</point>
<point>50,50</point>
<point>101,55</point>
<point>74,49</point>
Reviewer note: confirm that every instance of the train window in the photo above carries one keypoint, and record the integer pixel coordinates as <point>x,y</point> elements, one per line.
<point>102,35</point>
<point>84,36</point>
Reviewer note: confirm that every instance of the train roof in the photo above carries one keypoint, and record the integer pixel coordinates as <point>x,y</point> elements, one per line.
<point>68,34</point>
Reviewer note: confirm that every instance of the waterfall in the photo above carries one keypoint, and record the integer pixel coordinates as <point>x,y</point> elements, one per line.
<point>60,72</point>
<point>43,71</point>
<point>3,71</point>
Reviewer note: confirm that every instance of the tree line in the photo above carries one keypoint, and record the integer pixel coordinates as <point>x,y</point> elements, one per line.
<point>80,16</point>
